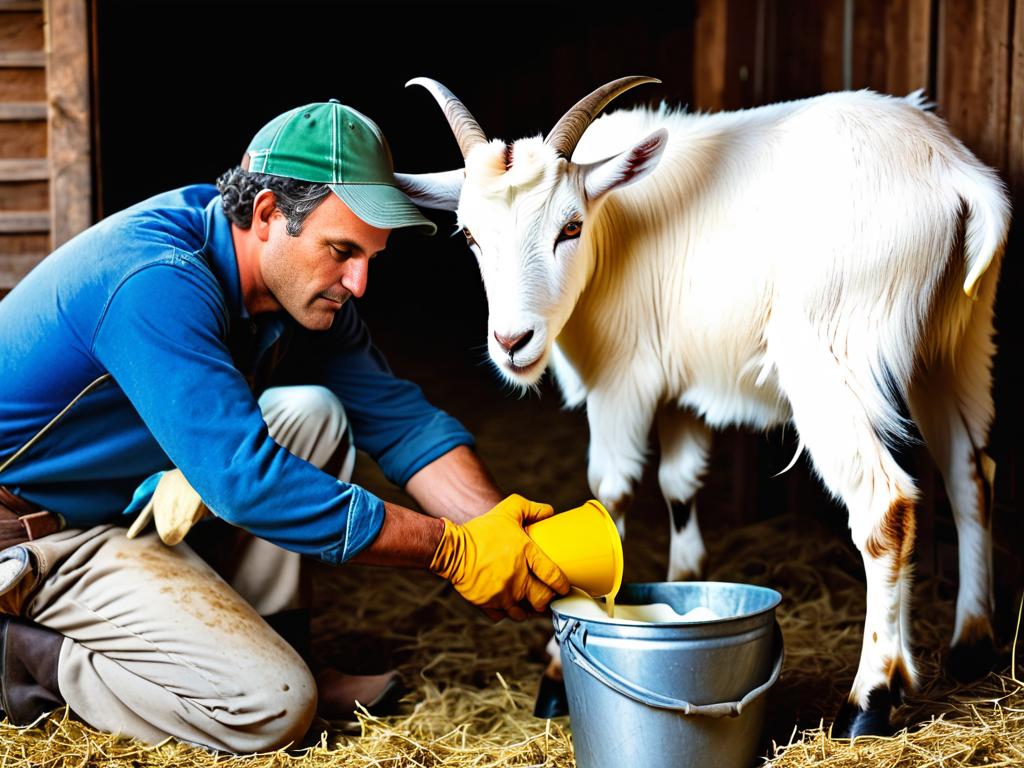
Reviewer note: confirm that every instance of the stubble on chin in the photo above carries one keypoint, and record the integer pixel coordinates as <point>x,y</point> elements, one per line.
<point>321,312</point>
<point>338,298</point>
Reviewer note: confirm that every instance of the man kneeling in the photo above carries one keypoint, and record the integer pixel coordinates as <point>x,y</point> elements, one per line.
<point>208,331</point>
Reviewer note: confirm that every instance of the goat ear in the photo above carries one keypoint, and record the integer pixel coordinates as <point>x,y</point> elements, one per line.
<point>433,190</point>
<point>624,168</point>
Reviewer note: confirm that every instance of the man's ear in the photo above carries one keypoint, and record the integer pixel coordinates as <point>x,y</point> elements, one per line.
<point>263,207</point>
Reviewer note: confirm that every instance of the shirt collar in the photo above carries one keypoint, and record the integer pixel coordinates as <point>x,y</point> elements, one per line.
<point>220,248</point>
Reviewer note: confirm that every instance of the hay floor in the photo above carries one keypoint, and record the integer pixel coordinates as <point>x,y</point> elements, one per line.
<point>473,682</point>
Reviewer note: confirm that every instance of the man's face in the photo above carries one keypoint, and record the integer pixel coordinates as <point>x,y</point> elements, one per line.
<point>312,275</point>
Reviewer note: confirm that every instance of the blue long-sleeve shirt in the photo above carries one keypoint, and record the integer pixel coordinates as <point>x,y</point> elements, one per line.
<point>151,295</point>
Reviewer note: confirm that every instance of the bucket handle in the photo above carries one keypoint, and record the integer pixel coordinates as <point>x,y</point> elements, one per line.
<point>567,638</point>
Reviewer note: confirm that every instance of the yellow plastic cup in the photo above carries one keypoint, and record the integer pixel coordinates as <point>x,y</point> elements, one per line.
<point>585,544</point>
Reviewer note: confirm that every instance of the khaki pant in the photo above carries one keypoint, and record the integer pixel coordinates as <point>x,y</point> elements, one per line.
<point>157,644</point>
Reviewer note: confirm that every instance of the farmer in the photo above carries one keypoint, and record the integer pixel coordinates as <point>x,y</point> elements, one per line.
<point>213,333</point>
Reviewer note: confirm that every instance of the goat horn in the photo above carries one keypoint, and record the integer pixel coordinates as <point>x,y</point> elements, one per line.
<point>566,134</point>
<point>465,127</point>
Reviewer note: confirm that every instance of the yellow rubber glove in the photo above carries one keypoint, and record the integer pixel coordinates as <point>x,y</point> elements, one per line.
<point>493,563</point>
<point>175,506</point>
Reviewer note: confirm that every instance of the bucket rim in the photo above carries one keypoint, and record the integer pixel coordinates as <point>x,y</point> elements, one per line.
<point>775,599</point>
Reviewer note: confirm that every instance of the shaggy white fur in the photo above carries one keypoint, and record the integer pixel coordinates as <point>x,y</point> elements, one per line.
<point>819,261</point>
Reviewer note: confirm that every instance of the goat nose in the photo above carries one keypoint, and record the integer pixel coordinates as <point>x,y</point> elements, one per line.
<point>513,344</point>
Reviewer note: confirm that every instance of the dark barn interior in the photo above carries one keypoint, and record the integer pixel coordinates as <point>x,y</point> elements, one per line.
<point>175,104</point>
<point>175,91</point>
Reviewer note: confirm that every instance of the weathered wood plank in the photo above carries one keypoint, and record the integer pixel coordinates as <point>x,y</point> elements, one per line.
<point>709,53</point>
<point>22,140</point>
<point>27,59</point>
<point>70,149</point>
<point>908,39</point>
<point>12,244</point>
<point>22,110</point>
<point>1015,127</point>
<point>891,45</point>
<point>21,31</point>
<point>24,196</point>
<point>8,6</point>
<point>870,54</point>
<point>12,222</point>
<point>806,45</point>
<point>973,74</point>
<point>727,44</point>
<point>24,170</point>
<point>14,268</point>
<point>22,85</point>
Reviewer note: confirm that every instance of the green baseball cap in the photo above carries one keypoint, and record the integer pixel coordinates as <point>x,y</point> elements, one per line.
<point>329,143</point>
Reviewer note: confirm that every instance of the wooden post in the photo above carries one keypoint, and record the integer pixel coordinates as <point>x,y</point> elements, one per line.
<point>67,88</point>
<point>892,46</point>
<point>728,54</point>
<point>1015,127</point>
<point>974,72</point>
<point>805,45</point>
<point>710,55</point>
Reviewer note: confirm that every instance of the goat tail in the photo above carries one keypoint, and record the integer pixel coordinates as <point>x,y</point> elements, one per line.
<point>987,220</point>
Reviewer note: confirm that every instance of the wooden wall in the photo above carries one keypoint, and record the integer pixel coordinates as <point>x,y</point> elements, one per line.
<point>792,49</point>
<point>45,149</point>
<point>968,55</point>
<point>24,182</point>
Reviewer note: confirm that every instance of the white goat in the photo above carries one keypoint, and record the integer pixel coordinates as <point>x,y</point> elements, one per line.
<point>818,262</point>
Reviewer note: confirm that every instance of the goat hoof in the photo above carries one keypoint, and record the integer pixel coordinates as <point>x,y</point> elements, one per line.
<point>968,662</point>
<point>551,698</point>
<point>853,720</point>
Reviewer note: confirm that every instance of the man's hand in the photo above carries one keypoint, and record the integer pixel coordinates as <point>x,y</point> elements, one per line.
<point>493,563</point>
<point>175,506</point>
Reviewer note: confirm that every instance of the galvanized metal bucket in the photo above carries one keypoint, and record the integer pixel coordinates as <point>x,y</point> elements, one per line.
<point>672,694</point>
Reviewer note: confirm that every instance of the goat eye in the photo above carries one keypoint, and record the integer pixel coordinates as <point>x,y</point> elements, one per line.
<point>469,236</point>
<point>570,231</point>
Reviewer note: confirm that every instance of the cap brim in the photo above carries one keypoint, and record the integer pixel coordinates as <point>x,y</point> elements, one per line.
<point>383,205</point>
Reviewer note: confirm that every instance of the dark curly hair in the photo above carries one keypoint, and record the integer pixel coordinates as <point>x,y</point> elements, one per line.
<point>295,199</point>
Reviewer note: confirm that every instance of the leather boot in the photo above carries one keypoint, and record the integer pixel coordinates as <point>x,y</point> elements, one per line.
<point>28,670</point>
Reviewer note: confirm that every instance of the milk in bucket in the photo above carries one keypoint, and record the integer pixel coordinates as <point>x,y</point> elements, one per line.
<point>676,678</point>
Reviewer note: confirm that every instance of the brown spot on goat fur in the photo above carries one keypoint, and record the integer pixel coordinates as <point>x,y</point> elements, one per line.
<point>984,514</point>
<point>619,506</point>
<point>554,671</point>
<point>975,630</point>
<point>894,535</point>
<point>900,681</point>
<point>984,492</point>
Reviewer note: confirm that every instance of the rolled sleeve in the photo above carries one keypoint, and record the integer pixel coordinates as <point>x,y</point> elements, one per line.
<point>363,523</point>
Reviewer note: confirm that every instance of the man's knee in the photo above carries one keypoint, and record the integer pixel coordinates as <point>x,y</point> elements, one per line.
<point>310,422</point>
<point>284,407</point>
<point>272,714</point>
